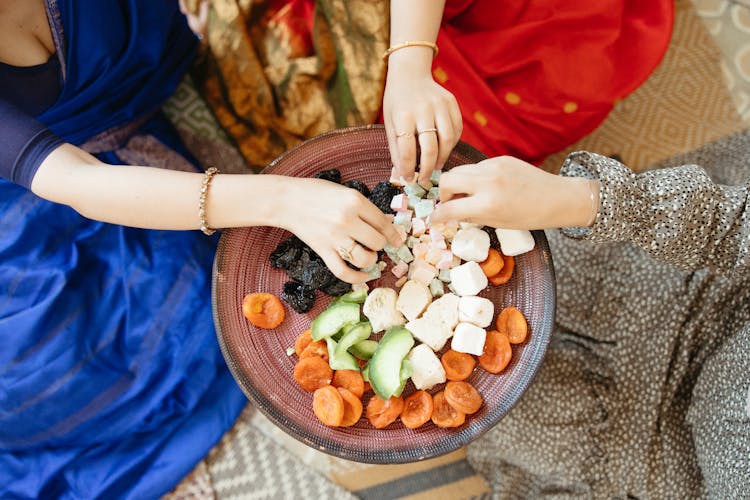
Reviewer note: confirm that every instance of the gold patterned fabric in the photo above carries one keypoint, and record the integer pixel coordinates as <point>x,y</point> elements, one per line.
<point>279,71</point>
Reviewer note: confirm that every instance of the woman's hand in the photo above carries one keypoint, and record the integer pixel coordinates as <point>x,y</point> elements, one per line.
<point>337,222</point>
<point>508,193</point>
<point>418,109</point>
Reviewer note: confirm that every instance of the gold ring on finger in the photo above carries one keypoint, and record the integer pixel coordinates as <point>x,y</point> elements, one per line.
<point>427,130</point>
<point>346,254</point>
<point>404,134</point>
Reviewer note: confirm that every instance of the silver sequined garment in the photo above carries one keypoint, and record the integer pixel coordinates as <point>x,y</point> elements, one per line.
<point>645,389</point>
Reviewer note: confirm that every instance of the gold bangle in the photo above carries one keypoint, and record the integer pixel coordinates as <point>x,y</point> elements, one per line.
<point>202,204</point>
<point>595,201</point>
<point>403,45</point>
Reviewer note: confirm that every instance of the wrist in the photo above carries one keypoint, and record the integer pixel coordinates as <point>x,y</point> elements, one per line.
<point>244,200</point>
<point>582,203</point>
<point>411,60</point>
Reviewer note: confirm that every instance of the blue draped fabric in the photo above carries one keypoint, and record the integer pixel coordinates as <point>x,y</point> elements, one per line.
<point>111,381</point>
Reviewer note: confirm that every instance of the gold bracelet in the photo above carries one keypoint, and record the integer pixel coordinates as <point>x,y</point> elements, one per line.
<point>403,45</point>
<point>202,204</point>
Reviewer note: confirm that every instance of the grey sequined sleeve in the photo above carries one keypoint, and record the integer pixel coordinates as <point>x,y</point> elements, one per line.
<point>678,215</point>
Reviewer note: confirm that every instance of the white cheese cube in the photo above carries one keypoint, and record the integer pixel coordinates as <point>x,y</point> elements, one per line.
<point>444,311</point>
<point>413,298</point>
<point>471,244</point>
<point>380,309</point>
<point>469,338</point>
<point>468,279</point>
<point>476,310</point>
<point>430,332</point>
<point>515,241</point>
<point>426,369</point>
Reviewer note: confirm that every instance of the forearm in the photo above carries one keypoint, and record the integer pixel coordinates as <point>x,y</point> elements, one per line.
<point>149,197</point>
<point>414,20</point>
<point>678,215</point>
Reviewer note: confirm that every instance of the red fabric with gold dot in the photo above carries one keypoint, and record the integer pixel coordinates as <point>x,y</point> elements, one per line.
<point>532,77</point>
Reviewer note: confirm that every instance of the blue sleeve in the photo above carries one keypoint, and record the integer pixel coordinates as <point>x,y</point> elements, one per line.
<point>24,144</point>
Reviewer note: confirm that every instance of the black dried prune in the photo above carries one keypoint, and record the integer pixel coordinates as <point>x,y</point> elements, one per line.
<point>382,195</point>
<point>297,268</point>
<point>298,295</point>
<point>359,186</point>
<point>316,274</point>
<point>286,253</point>
<point>332,175</point>
<point>336,288</point>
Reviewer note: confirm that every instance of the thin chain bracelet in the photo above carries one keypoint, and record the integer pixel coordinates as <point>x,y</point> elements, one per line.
<point>209,175</point>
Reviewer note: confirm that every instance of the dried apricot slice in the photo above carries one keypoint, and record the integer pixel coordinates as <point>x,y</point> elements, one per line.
<point>443,414</point>
<point>493,264</point>
<point>463,396</point>
<point>312,373</point>
<point>457,365</point>
<point>417,409</point>
<point>328,405</point>
<point>317,348</point>
<point>497,352</point>
<point>382,413</point>
<point>352,407</point>
<point>512,322</point>
<point>263,310</point>
<point>505,273</point>
<point>351,380</point>
<point>302,341</point>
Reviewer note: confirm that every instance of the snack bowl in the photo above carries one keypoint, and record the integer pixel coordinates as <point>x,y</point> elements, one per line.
<point>258,358</point>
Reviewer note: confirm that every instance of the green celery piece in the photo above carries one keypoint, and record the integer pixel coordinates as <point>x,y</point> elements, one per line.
<point>358,332</point>
<point>364,349</point>
<point>333,319</point>
<point>385,364</point>
<point>340,361</point>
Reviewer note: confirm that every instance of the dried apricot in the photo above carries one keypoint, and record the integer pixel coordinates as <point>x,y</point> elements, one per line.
<point>302,341</point>
<point>352,407</point>
<point>457,365</point>
<point>328,405</point>
<point>443,414</point>
<point>351,380</point>
<point>312,373</point>
<point>505,273</point>
<point>497,352</point>
<point>512,322</point>
<point>417,409</point>
<point>463,396</point>
<point>263,310</point>
<point>382,413</point>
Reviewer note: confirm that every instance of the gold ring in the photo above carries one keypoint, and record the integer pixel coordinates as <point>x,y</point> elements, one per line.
<point>427,130</point>
<point>404,134</point>
<point>346,254</point>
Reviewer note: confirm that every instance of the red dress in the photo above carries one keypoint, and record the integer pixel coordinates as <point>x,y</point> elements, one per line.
<point>532,77</point>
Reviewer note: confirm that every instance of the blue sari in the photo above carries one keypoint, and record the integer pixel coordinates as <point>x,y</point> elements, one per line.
<point>111,381</point>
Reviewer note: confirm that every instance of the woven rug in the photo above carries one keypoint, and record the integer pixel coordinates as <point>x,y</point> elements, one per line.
<point>700,93</point>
